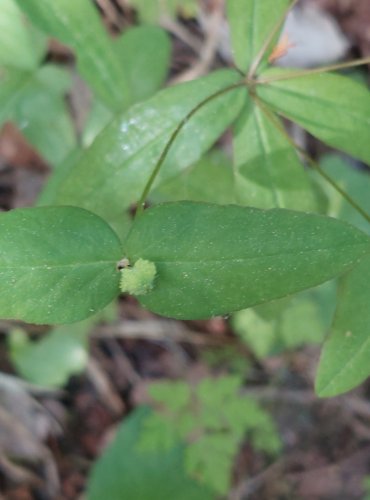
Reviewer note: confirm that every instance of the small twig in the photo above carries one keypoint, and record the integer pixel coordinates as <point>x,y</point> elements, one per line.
<point>268,41</point>
<point>290,75</point>
<point>121,360</point>
<point>248,487</point>
<point>181,33</point>
<point>104,387</point>
<point>208,51</point>
<point>156,331</point>
<point>109,11</point>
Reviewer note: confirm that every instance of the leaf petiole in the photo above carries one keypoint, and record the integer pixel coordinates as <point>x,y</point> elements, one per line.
<point>174,135</point>
<point>314,164</point>
<point>307,72</point>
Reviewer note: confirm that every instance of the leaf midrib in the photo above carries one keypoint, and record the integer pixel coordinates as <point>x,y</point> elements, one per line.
<point>256,257</point>
<point>56,266</point>
<point>334,379</point>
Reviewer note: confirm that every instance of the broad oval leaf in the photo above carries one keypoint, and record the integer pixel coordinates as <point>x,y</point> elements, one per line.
<point>211,179</point>
<point>21,45</point>
<point>251,22</point>
<point>145,53</point>
<point>344,361</point>
<point>126,472</point>
<point>333,108</point>
<point>24,93</point>
<point>57,264</point>
<point>77,24</point>
<point>213,259</point>
<point>267,169</point>
<point>355,182</point>
<point>114,170</point>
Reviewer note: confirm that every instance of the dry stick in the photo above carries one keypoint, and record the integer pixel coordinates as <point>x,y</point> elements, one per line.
<point>290,75</point>
<point>180,31</point>
<point>270,115</point>
<point>208,50</point>
<point>174,135</point>
<point>268,41</point>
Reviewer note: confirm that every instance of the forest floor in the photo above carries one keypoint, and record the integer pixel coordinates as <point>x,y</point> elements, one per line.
<point>326,442</point>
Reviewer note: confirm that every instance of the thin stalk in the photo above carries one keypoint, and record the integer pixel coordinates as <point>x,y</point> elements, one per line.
<point>173,137</point>
<point>272,118</point>
<point>268,41</point>
<point>289,75</point>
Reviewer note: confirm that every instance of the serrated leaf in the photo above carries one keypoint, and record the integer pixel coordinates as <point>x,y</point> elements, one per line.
<point>210,460</point>
<point>213,260</point>
<point>268,171</point>
<point>139,474</point>
<point>157,434</point>
<point>57,264</point>
<point>175,395</point>
<point>333,108</point>
<point>78,25</point>
<point>344,361</point>
<point>114,170</point>
<point>251,22</point>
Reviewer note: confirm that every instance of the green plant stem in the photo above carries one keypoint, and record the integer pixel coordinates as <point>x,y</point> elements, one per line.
<point>307,72</point>
<point>173,137</point>
<point>268,41</point>
<point>270,115</point>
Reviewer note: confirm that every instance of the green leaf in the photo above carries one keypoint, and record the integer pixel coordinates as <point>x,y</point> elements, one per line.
<point>145,54</point>
<point>24,94</point>
<point>213,260</point>
<point>78,25</point>
<point>344,361</point>
<point>175,395</point>
<point>355,182</point>
<point>48,194</point>
<point>114,170</point>
<point>57,264</point>
<point>251,22</point>
<point>158,434</point>
<point>21,45</point>
<point>287,323</point>
<point>258,333</point>
<point>25,89</point>
<point>333,108</point>
<point>210,459</point>
<point>151,12</point>
<point>51,361</point>
<point>212,418</point>
<point>139,475</point>
<point>210,180</point>
<point>307,318</point>
<point>268,171</point>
